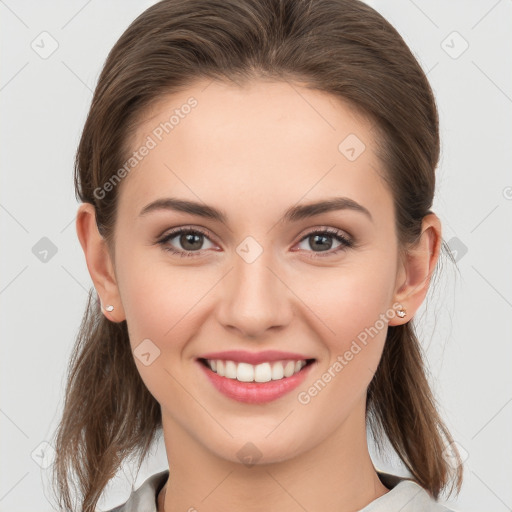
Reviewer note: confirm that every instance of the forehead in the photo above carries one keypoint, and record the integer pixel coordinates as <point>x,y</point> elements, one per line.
<point>269,142</point>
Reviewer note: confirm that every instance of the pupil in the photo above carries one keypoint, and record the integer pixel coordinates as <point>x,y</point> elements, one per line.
<point>322,238</point>
<point>188,240</point>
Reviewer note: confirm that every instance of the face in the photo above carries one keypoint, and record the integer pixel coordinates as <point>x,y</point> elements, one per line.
<point>319,283</point>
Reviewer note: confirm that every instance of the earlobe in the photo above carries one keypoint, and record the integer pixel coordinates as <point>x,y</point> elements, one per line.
<point>99,263</point>
<point>417,268</point>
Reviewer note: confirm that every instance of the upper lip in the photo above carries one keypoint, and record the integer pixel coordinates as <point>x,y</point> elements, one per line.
<point>242,356</point>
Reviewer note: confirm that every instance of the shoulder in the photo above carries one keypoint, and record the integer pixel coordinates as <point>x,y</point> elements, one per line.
<point>144,497</point>
<point>404,495</point>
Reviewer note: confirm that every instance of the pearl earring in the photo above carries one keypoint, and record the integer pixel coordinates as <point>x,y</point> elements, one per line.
<point>108,308</point>
<point>401,313</point>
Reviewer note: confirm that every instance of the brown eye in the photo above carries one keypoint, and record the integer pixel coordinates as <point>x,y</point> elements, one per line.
<point>323,241</point>
<point>191,242</point>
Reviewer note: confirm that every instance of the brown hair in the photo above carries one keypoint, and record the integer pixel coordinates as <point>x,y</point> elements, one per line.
<point>342,47</point>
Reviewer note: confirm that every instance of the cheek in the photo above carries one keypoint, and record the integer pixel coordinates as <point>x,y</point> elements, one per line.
<point>352,308</point>
<point>157,297</point>
<point>357,321</point>
<point>347,300</point>
<point>158,302</point>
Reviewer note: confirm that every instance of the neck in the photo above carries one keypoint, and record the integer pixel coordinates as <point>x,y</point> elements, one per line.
<point>335,476</point>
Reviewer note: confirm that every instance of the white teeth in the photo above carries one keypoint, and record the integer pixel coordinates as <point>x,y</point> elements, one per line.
<point>263,372</point>
<point>244,372</point>
<point>289,369</point>
<point>230,370</point>
<point>277,371</point>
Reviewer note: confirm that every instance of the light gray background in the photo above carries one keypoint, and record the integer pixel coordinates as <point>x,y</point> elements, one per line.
<point>465,324</point>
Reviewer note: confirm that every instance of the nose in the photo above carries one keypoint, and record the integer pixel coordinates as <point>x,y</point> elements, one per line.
<point>255,298</point>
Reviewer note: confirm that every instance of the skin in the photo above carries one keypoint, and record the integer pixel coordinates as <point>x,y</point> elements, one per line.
<point>254,151</point>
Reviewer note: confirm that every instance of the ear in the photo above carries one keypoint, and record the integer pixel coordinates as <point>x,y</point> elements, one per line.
<point>99,262</point>
<point>416,268</point>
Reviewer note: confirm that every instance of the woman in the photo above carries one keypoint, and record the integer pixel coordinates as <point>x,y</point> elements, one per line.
<point>256,179</point>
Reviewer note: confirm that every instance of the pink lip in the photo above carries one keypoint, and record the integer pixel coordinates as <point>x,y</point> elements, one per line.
<point>242,356</point>
<point>255,392</point>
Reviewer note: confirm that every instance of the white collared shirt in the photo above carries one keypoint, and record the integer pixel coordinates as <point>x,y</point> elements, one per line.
<point>404,496</point>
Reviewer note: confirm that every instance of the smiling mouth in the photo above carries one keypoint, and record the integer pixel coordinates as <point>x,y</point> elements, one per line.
<point>263,372</point>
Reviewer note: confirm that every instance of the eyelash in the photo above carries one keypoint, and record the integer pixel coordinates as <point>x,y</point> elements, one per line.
<point>345,242</point>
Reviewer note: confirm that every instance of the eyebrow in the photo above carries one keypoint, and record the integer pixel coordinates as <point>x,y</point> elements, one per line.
<point>293,214</point>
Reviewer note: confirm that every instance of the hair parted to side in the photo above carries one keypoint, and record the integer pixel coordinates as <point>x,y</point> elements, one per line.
<point>342,47</point>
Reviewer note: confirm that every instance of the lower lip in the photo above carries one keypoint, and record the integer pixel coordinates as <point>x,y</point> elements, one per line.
<point>255,392</point>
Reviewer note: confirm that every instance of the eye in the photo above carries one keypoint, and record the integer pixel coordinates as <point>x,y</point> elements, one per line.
<point>322,240</point>
<point>190,239</point>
